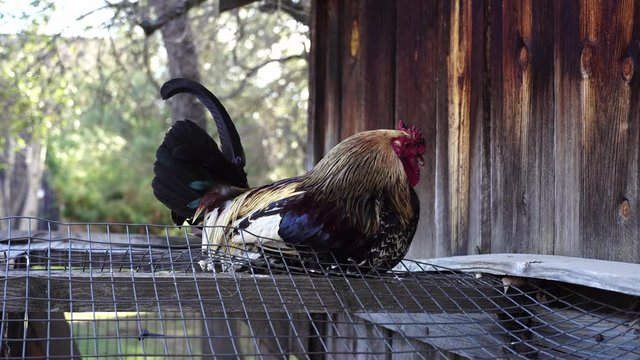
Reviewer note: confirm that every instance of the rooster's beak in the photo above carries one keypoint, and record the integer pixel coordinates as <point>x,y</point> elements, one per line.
<point>420,160</point>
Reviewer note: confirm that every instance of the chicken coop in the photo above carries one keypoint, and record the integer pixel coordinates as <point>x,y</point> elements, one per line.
<point>529,237</point>
<point>118,291</point>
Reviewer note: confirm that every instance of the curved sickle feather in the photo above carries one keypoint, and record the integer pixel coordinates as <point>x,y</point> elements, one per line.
<point>229,138</point>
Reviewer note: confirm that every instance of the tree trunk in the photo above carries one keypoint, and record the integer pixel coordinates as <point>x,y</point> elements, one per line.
<point>182,60</point>
<point>20,179</point>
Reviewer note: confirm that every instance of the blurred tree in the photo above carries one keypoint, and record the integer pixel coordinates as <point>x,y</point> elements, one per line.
<point>33,100</point>
<point>90,105</point>
<point>182,58</point>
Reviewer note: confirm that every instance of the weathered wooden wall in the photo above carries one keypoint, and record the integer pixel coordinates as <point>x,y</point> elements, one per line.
<point>530,110</point>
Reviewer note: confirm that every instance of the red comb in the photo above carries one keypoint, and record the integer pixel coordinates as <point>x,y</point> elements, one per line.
<point>411,130</point>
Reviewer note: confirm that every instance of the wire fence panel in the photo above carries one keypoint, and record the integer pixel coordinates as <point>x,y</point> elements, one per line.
<point>126,290</point>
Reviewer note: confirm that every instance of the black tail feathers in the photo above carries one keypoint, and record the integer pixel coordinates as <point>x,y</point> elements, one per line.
<point>189,162</point>
<point>229,138</point>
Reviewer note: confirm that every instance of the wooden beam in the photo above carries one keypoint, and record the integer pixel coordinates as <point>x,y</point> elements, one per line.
<point>606,275</point>
<point>99,291</point>
<point>93,240</point>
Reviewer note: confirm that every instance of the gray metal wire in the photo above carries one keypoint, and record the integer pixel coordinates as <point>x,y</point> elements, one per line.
<point>135,290</point>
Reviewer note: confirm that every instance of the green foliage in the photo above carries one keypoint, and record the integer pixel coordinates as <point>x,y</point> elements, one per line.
<point>95,103</point>
<point>269,107</point>
<point>34,98</point>
<point>110,173</point>
<point>102,163</point>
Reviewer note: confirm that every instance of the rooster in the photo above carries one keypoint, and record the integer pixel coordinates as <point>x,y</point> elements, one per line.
<point>356,206</point>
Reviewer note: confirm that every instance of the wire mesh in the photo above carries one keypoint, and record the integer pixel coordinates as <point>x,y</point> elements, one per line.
<point>74,290</point>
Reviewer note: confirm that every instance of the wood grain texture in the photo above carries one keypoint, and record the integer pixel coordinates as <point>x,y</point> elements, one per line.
<point>568,134</point>
<point>340,337</point>
<point>375,341</point>
<point>63,240</point>
<point>324,89</point>
<point>531,110</point>
<point>232,293</point>
<point>522,144</point>
<point>367,65</point>
<point>53,327</point>
<point>606,29</point>
<point>417,61</point>
<point>600,274</point>
<point>597,135</point>
<point>479,206</point>
<point>349,335</point>
<point>459,123</point>
<point>442,242</point>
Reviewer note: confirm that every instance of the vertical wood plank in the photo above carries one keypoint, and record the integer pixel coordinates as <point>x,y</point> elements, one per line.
<point>271,332</point>
<point>416,88</point>
<point>14,341</point>
<point>350,335</point>
<point>301,336</point>
<point>219,337</point>
<point>53,334</point>
<point>606,29</point>
<point>442,198</point>
<point>479,236</point>
<point>568,134</point>
<point>522,128</point>
<point>459,120</point>
<point>340,337</point>
<point>318,336</point>
<point>323,128</point>
<point>374,342</point>
<point>367,64</point>
<point>540,208</point>
<point>315,133</point>
<point>596,134</point>
<point>631,218</point>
